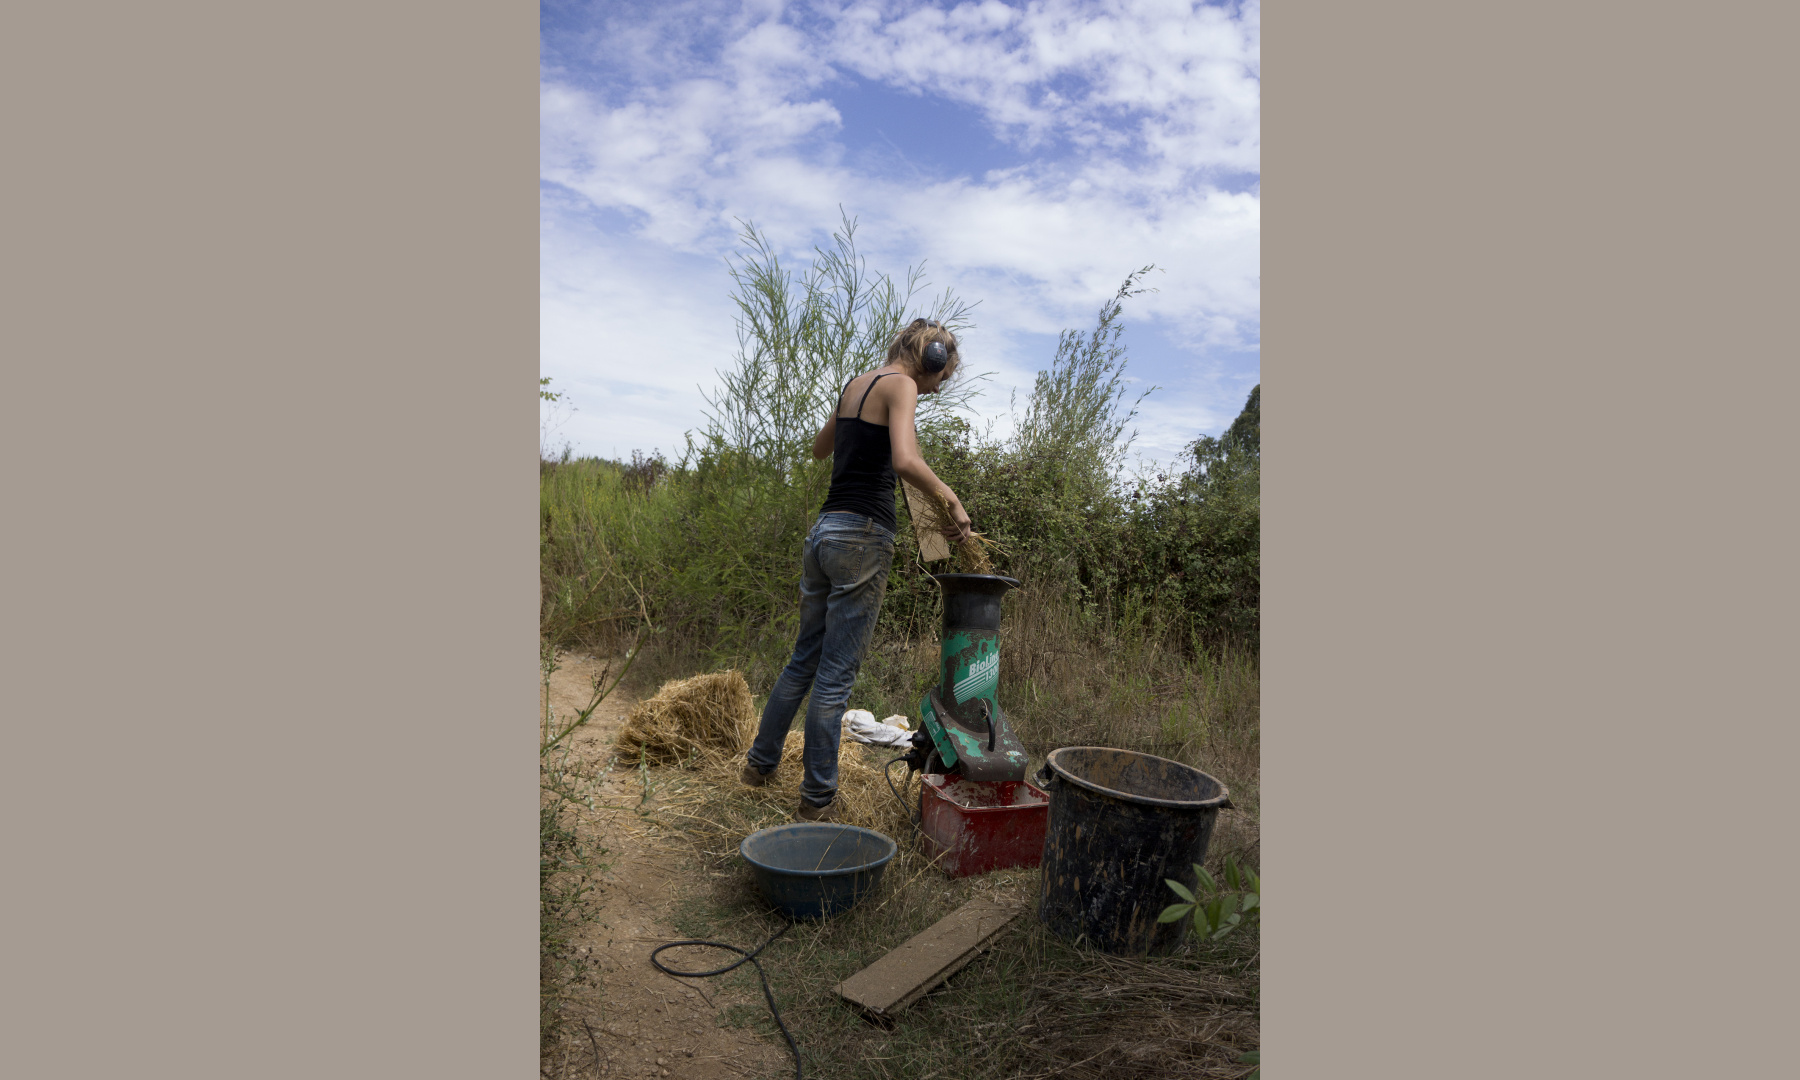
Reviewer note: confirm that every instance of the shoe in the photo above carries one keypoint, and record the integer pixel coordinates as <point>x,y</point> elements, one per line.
<point>808,812</point>
<point>751,777</point>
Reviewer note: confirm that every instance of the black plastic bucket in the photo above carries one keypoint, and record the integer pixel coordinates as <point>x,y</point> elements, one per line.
<point>1121,822</point>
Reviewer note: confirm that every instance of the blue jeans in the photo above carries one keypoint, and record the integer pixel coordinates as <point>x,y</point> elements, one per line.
<point>844,574</point>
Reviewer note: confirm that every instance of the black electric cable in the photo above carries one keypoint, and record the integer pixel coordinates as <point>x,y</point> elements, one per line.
<point>887,774</point>
<point>749,957</point>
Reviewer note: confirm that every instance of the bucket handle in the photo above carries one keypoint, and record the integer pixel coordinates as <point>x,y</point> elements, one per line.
<point>1047,778</point>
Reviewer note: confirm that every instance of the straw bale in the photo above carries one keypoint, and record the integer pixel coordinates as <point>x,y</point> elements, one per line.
<point>707,716</point>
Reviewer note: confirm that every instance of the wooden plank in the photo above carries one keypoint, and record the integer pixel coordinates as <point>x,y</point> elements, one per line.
<point>932,544</point>
<point>929,957</point>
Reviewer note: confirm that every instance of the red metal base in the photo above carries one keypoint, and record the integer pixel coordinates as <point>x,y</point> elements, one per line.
<point>972,828</point>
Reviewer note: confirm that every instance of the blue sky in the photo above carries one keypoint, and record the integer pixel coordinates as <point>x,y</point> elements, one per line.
<point>1029,155</point>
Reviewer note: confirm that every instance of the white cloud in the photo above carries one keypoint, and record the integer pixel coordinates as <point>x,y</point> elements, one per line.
<point>1188,76</point>
<point>630,331</point>
<point>692,116</point>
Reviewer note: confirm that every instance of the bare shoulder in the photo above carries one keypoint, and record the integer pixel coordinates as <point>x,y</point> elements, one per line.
<point>900,388</point>
<point>894,393</point>
<point>875,395</point>
<point>846,402</point>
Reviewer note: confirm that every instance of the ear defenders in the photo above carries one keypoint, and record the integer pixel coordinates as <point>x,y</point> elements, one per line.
<point>936,356</point>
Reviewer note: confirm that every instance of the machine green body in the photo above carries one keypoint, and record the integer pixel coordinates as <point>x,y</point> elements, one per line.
<point>962,714</point>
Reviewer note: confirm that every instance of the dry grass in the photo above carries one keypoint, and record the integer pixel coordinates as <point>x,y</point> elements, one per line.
<point>1108,1018</point>
<point>702,726</point>
<point>1136,691</point>
<point>1031,1005</point>
<point>862,799</point>
<point>708,717</point>
<point>971,554</point>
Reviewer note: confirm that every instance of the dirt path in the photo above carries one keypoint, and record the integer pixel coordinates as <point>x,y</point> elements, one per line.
<point>638,1021</point>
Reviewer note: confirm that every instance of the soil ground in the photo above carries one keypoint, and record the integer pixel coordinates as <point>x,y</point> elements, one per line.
<point>633,1020</point>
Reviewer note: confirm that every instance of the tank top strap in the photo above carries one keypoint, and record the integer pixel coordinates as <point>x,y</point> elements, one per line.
<point>868,389</point>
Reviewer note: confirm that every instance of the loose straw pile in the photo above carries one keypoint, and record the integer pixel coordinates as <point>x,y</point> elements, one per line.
<point>971,554</point>
<point>862,798</point>
<point>707,715</point>
<point>707,721</point>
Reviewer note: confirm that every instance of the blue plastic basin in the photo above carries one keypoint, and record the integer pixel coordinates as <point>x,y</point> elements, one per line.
<point>813,869</point>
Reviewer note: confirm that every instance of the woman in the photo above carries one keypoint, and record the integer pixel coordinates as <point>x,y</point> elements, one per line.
<point>870,438</point>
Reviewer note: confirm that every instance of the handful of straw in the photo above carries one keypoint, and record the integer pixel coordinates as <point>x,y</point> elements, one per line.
<point>931,516</point>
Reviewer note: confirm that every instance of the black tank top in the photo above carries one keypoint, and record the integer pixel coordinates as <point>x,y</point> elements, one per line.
<point>862,465</point>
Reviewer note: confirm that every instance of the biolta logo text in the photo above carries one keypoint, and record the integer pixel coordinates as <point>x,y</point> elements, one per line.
<point>982,679</point>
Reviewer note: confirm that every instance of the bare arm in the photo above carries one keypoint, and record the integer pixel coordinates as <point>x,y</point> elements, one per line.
<point>903,404</point>
<point>826,439</point>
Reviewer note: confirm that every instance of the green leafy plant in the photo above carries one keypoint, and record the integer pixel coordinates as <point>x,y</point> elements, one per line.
<point>1217,911</point>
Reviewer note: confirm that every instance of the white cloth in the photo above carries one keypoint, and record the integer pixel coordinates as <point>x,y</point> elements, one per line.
<point>861,726</point>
